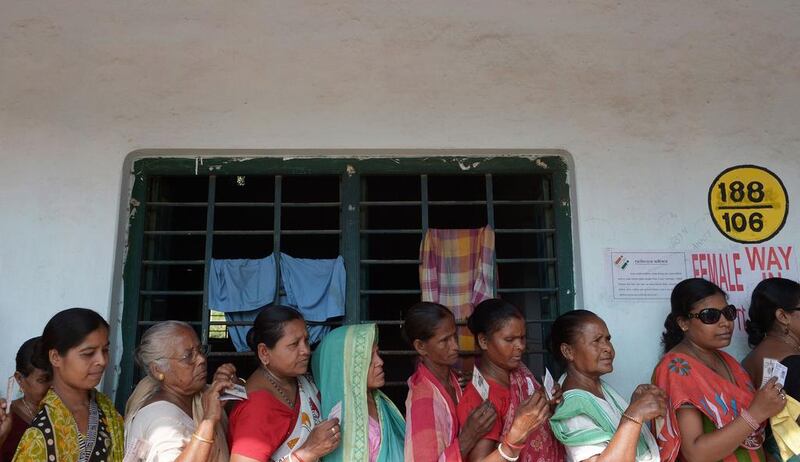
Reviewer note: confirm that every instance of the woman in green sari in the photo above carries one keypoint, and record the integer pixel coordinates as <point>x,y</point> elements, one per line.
<point>349,373</point>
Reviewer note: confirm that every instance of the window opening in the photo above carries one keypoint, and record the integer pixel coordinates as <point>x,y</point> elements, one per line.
<point>375,219</point>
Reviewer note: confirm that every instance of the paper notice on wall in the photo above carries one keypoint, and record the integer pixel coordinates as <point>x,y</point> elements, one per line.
<point>652,275</point>
<point>646,275</point>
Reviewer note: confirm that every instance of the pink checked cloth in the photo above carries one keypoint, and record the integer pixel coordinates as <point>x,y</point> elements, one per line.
<point>457,270</point>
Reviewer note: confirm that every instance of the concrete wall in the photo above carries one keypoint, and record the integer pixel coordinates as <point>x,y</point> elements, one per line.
<point>652,100</point>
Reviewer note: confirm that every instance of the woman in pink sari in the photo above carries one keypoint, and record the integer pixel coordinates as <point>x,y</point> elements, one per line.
<point>523,433</point>
<point>433,432</point>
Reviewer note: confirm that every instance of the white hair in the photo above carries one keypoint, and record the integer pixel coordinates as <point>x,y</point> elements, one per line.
<point>155,342</point>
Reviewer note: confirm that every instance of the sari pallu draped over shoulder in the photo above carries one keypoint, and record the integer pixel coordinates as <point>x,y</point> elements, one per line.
<point>340,367</point>
<point>148,386</point>
<point>432,425</point>
<point>583,403</point>
<point>53,434</point>
<point>688,381</point>
<point>542,445</point>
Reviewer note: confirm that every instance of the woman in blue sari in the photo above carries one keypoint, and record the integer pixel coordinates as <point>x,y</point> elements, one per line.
<point>349,373</point>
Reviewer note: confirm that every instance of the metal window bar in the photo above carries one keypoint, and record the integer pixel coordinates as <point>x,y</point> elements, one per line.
<point>205,313</point>
<point>276,237</point>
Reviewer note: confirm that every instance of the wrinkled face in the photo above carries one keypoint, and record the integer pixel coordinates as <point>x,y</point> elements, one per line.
<point>82,366</point>
<point>505,346</point>
<point>186,370</point>
<point>35,385</point>
<point>375,377</point>
<point>290,355</point>
<point>442,348</point>
<point>591,351</point>
<point>709,336</point>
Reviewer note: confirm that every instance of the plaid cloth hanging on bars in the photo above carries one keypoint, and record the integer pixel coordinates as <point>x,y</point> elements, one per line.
<point>457,270</point>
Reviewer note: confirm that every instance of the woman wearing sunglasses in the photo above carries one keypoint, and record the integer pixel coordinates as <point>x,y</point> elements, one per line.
<point>713,411</point>
<point>172,415</point>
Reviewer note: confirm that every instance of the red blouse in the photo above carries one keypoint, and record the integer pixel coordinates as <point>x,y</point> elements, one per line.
<point>259,425</point>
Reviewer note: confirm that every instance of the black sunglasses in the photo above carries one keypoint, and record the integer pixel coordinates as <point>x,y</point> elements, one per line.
<point>711,315</point>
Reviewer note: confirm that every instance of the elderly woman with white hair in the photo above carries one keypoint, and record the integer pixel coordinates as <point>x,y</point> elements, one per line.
<point>172,414</point>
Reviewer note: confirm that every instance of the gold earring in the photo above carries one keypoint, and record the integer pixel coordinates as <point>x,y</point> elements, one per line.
<point>160,377</point>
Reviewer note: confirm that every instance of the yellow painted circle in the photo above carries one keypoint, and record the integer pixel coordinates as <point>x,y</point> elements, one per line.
<point>748,204</point>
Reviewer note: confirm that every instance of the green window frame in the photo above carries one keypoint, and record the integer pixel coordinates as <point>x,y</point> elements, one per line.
<point>351,171</point>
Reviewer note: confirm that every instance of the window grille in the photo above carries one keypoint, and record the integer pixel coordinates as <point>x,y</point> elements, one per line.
<point>369,211</point>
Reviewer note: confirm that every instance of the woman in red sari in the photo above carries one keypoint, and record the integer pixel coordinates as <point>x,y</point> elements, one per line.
<point>280,419</point>
<point>713,411</point>
<point>523,433</point>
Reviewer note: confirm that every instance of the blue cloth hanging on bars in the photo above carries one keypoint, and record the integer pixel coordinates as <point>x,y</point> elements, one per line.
<point>315,287</point>
<point>241,288</point>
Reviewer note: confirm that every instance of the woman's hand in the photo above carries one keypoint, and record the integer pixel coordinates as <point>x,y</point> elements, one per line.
<point>647,402</point>
<point>557,393</point>
<point>322,440</point>
<point>223,379</point>
<point>769,400</point>
<point>530,414</point>
<point>226,371</point>
<point>479,422</point>
<point>5,421</point>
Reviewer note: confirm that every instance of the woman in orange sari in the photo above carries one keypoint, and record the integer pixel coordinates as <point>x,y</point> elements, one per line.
<point>713,411</point>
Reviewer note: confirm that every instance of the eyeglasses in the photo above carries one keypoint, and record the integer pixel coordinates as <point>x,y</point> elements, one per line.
<point>190,355</point>
<point>712,315</point>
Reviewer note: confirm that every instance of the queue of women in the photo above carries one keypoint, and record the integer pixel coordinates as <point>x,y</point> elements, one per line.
<point>702,405</point>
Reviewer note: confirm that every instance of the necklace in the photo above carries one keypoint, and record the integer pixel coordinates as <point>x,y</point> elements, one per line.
<point>28,408</point>
<point>277,387</point>
<point>785,339</point>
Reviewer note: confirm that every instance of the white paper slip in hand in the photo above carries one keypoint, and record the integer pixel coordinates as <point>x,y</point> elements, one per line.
<point>531,388</point>
<point>236,392</point>
<point>766,372</point>
<point>10,393</point>
<point>549,384</point>
<point>780,371</point>
<point>336,411</point>
<point>480,384</point>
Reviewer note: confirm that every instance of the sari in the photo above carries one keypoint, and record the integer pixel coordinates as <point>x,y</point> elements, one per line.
<point>142,393</point>
<point>541,445</point>
<point>53,434</point>
<point>689,382</point>
<point>264,428</point>
<point>582,420</point>
<point>432,425</point>
<point>340,367</point>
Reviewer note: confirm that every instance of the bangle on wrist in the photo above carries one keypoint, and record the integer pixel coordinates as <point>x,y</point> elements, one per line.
<point>200,438</point>
<point>749,419</point>
<point>518,447</point>
<point>504,455</point>
<point>625,415</point>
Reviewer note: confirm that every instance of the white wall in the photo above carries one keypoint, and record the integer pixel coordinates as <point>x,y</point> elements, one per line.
<point>652,99</point>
